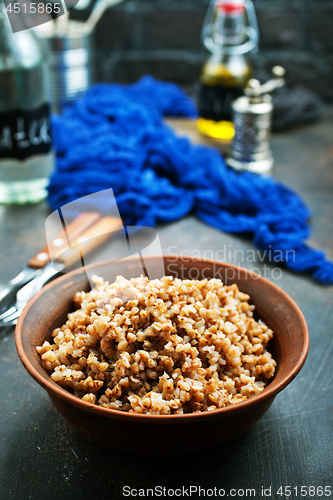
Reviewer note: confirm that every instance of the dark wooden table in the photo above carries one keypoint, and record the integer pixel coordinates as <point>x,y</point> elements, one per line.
<point>42,457</point>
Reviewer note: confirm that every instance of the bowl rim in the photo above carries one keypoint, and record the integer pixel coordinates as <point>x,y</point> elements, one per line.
<point>59,392</point>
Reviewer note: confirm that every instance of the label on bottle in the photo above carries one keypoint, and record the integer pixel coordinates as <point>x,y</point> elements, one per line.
<point>215,101</point>
<point>25,133</point>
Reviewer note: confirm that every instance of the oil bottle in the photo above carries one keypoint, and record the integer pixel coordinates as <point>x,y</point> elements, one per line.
<point>229,32</point>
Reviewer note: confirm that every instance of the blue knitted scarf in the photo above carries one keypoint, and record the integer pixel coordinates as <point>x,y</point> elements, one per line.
<point>115,138</point>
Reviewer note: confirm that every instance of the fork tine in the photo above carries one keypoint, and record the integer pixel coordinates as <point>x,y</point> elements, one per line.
<point>9,312</point>
<point>8,325</point>
<point>12,317</point>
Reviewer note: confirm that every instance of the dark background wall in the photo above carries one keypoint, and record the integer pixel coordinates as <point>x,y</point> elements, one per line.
<point>162,38</point>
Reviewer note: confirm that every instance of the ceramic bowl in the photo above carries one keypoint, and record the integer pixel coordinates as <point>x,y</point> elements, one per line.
<point>48,309</point>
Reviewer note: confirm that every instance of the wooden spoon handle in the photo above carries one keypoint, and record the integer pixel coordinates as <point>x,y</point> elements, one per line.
<point>89,240</point>
<point>73,230</point>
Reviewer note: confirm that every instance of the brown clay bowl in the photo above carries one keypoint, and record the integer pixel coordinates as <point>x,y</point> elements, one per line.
<point>165,433</point>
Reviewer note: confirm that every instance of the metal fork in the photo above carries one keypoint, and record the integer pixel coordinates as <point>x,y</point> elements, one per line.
<point>88,241</point>
<point>23,295</point>
<point>37,264</point>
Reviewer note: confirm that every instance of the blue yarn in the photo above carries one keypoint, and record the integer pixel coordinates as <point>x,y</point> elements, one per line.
<point>115,138</point>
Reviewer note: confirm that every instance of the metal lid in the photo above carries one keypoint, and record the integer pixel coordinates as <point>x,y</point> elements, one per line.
<point>245,104</point>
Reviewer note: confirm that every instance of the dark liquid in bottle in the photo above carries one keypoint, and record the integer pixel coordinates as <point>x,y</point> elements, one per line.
<point>214,101</point>
<point>222,80</point>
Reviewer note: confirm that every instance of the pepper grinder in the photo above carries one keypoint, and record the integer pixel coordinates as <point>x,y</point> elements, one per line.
<point>252,117</point>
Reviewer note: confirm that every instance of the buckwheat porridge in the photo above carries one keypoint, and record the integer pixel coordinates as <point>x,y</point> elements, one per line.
<point>166,346</point>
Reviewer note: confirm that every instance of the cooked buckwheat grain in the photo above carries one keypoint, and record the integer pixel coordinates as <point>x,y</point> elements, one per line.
<point>166,346</point>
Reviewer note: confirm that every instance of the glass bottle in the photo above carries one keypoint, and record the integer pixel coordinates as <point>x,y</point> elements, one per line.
<point>229,33</point>
<point>26,157</point>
